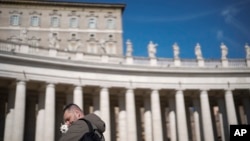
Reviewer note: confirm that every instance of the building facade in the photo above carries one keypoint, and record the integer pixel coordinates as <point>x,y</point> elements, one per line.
<point>52,54</point>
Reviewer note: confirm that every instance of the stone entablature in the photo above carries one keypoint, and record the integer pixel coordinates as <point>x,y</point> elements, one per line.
<point>129,59</point>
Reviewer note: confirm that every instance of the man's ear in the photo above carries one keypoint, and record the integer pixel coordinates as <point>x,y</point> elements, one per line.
<point>78,113</point>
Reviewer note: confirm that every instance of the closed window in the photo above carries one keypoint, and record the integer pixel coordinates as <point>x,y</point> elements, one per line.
<point>34,21</point>
<point>92,23</point>
<point>15,20</point>
<point>73,22</point>
<point>110,23</point>
<point>55,21</point>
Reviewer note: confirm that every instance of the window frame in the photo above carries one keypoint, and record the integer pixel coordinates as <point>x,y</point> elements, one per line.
<point>32,17</point>
<point>53,21</point>
<point>73,25</point>
<point>15,21</point>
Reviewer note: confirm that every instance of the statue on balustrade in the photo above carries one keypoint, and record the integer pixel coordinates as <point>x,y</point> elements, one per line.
<point>129,48</point>
<point>54,41</point>
<point>247,47</point>
<point>176,51</point>
<point>198,52</point>
<point>23,35</point>
<point>152,49</point>
<point>74,45</point>
<point>224,51</point>
<point>102,43</point>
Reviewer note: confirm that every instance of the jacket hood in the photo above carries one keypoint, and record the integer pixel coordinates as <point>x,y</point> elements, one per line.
<point>96,120</point>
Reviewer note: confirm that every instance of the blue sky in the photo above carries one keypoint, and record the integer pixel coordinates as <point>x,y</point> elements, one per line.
<point>187,23</point>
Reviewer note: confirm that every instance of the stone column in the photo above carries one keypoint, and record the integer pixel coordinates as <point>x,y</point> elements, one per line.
<point>69,95</point>
<point>181,116</point>
<point>223,120</point>
<point>246,104</point>
<point>96,102</point>
<point>197,119</point>
<point>172,119</point>
<point>122,119</point>
<point>148,119</point>
<point>19,114</point>
<point>78,96</point>
<point>206,117</point>
<point>10,116</point>
<point>231,113</point>
<point>131,115</point>
<point>156,118</point>
<point>105,111</point>
<point>40,117</point>
<point>49,119</point>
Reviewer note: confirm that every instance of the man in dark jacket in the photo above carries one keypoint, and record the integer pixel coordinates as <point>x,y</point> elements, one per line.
<point>77,127</point>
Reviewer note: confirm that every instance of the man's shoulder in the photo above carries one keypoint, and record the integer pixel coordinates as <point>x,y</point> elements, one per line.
<point>76,131</point>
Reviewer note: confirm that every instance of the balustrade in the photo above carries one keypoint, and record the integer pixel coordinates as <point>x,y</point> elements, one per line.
<point>6,46</point>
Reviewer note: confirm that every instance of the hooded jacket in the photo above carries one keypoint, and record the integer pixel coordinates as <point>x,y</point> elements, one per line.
<point>80,127</point>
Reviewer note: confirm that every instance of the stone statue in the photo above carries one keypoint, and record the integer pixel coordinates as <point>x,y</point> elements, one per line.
<point>129,48</point>
<point>247,47</point>
<point>152,49</point>
<point>23,35</point>
<point>224,51</point>
<point>102,46</point>
<point>176,51</point>
<point>198,52</point>
<point>53,41</point>
<point>74,45</point>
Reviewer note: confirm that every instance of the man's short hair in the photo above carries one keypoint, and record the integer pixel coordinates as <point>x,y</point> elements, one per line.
<point>71,106</point>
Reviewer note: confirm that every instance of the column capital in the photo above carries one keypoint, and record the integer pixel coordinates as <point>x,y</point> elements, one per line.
<point>129,88</point>
<point>78,84</point>
<point>203,89</point>
<point>50,82</point>
<point>104,86</point>
<point>77,87</point>
<point>178,89</point>
<point>228,89</point>
<point>155,89</point>
<point>21,80</point>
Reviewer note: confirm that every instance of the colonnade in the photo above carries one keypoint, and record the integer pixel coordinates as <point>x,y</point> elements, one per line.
<point>129,113</point>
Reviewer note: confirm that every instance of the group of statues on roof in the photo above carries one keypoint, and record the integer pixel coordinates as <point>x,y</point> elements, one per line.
<point>176,50</point>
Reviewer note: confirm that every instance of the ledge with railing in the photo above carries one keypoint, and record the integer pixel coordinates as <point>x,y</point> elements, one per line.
<point>7,46</point>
